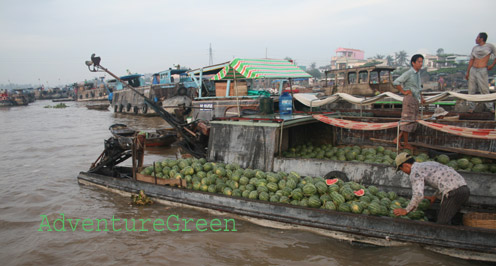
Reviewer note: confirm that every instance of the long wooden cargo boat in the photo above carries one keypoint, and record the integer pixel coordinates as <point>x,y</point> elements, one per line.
<point>459,241</point>
<point>258,144</point>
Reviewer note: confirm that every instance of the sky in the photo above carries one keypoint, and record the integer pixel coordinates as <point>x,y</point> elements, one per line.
<point>47,41</point>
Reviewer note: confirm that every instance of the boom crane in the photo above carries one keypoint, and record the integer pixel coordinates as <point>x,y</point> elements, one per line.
<point>191,142</point>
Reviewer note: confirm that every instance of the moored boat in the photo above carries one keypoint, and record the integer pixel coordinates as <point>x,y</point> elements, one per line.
<point>460,241</point>
<point>103,106</point>
<point>162,137</point>
<point>258,142</point>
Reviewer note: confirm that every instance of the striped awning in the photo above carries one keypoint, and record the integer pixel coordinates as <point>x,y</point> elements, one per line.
<point>260,68</point>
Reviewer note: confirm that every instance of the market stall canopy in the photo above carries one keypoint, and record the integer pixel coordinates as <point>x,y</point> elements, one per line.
<point>260,68</point>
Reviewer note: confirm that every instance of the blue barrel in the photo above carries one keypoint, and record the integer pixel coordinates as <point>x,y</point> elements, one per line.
<point>285,104</point>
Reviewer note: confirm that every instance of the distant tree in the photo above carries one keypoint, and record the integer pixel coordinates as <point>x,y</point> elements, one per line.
<point>400,58</point>
<point>314,71</point>
<point>379,56</point>
<point>440,51</point>
<point>390,60</point>
<point>373,63</point>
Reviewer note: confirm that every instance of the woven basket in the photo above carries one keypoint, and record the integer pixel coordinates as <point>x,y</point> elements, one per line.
<point>480,219</point>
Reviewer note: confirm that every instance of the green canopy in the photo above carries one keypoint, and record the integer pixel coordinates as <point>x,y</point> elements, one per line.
<point>260,68</point>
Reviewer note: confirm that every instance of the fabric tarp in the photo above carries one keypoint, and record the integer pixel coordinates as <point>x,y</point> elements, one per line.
<point>356,125</point>
<point>461,131</point>
<point>260,68</point>
<point>311,100</point>
<point>454,130</point>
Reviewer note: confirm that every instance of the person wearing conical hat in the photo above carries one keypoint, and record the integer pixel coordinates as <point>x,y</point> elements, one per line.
<point>450,186</point>
<point>439,113</point>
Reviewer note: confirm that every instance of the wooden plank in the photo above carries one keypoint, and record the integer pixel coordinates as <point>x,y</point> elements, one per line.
<point>478,153</point>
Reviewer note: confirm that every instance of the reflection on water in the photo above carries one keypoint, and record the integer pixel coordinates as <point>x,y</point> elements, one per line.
<point>43,150</point>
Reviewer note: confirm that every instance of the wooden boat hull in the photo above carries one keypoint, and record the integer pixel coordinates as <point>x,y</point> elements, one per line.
<point>465,242</point>
<point>163,137</point>
<point>98,106</point>
<point>159,141</point>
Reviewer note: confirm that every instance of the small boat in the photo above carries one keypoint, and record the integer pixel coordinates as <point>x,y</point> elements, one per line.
<point>162,137</point>
<point>69,99</point>
<point>102,106</point>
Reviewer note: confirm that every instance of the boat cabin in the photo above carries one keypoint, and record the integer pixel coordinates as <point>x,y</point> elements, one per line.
<point>173,77</point>
<point>363,81</point>
<point>135,81</point>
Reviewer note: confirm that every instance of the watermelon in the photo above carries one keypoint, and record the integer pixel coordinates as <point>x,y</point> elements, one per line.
<point>332,188</point>
<point>348,194</point>
<point>480,168</point>
<point>354,185</point>
<point>344,207</point>
<point>253,195</point>
<point>325,198</point>
<point>424,204</point>
<point>356,207</point>
<point>416,215</point>
<point>330,182</point>
<point>304,202</point>
<point>443,158</point>
<point>476,160</point>
<point>291,184</point>
<point>244,180</point>
<point>227,191</point>
<point>392,195</point>
<point>284,199</point>
<point>373,190</point>
<point>321,187</point>
<point>274,198</point>
<point>329,205</point>
<point>263,196</point>
<point>359,193</point>
<point>297,194</point>
<point>337,198</point>
<point>309,190</point>
<point>273,187</point>
<point>314,201</point>
<point>374,208</point>
<point>261,189</point>
<point>236,193</point>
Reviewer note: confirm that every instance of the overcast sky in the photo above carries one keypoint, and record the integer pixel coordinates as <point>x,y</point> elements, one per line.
<point>48,41</point>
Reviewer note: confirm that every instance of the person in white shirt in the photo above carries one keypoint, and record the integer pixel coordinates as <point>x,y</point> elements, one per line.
<point>478,67</point>
<point>451,187</point>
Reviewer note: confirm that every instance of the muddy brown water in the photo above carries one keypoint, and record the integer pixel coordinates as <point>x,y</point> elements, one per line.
<point>43,149</point>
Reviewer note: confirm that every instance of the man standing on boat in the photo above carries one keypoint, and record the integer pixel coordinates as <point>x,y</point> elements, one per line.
<point>477,69</point>
<point>410,86</point>
<point>450,185</point>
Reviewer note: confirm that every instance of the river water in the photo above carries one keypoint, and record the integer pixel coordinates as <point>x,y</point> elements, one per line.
<point>44,149</point>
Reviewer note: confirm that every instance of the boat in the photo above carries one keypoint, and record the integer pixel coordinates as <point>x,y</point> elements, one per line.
<point>102,106</point>
<point>18,98</point>
<point>68,99</point>
<point>5,101</point>
<point>459,241</point>
<point>168,87</point>
<point>363,81</point>
<point>160,138</point>
<point>260,143</point>
<point>94,90</point>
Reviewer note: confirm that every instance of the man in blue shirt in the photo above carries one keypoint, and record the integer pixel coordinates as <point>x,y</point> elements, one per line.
<point>410,86</point>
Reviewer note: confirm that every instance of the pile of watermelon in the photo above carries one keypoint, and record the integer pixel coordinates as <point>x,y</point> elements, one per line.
<point>289,188</point>
<point>382,155</point>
